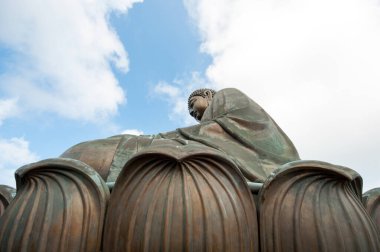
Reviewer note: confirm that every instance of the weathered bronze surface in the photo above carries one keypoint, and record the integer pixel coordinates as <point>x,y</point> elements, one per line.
<point>189,190</point>
<point>198,102</point>
<point>315,206</point>
<point>372,204</point>
<point>6,196</point>
<point>186,198</point>
<point>232,124</point>
<point>237,126</point>
<point>60,206</point>
<point>97,153</point>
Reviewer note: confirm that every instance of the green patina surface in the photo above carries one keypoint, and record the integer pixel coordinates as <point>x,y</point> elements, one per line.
<point>232,124</point>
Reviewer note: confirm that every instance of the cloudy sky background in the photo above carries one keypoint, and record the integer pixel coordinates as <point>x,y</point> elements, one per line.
<point>72,71</point>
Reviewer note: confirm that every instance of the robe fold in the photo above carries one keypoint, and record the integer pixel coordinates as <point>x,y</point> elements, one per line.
<point>242,130</point>
<point>232,124</point>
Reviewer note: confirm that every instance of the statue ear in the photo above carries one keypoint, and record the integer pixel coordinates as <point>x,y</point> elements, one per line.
<point>208,93</point>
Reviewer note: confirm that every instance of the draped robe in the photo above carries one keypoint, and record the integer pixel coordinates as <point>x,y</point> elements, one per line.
<point>232,123</point>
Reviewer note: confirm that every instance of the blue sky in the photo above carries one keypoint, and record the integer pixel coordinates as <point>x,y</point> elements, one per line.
<point>72,71</point>
<point>163,47</point>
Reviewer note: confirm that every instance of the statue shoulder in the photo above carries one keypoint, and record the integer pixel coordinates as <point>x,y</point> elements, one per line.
<point>230,91</point>
<point>231,95</point>
<point>224,102</point>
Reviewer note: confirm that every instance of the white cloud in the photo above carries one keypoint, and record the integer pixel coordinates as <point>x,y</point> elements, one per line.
<point>135,132</point>
<point>313,65</point>
<point>62,53</point>
<point>176,98</point>
<point>164,88</point>
<point>177,93</point>
<point>14,153</point>
<point>8,108</point>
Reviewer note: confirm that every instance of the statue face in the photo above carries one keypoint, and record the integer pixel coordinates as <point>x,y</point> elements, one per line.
<point>198,105</point>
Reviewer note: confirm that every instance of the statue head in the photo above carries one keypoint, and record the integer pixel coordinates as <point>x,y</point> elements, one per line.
<point>198,102</point>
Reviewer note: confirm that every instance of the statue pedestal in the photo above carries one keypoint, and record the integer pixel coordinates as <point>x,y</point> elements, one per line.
<point>186,198</point>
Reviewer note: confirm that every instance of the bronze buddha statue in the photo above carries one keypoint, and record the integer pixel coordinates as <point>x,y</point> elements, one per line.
<point>187,190</point>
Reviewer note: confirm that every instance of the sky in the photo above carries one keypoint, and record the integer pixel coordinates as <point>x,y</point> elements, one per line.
<point>78,70</point>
